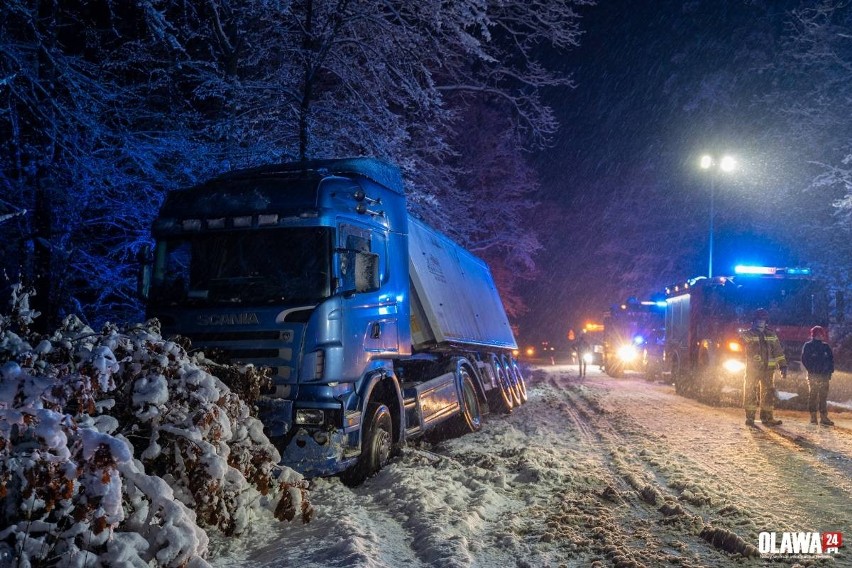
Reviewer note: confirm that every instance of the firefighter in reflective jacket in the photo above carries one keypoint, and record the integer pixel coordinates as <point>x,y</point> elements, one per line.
<point>763,356</point>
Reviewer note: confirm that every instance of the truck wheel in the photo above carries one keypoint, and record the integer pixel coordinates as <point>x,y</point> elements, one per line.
<point>506,399</point>
<point>513,380</point>
<point>709,389</point>
<point>522,384</point>
<point>470,411</point>
<point>681,381</point>
<point>376,444</point>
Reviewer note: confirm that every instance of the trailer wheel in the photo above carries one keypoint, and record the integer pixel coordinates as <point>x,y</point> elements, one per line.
<point>376,445</point>
<point>519,378</point>
<point>513,380</point>
<point>506,399</point>
<point>471,412</point>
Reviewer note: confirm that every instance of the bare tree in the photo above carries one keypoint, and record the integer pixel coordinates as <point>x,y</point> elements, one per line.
<point>107,105</point>
<point>814,117</point>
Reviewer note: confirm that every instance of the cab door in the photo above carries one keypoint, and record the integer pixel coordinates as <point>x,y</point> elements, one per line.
<point>371,318</point>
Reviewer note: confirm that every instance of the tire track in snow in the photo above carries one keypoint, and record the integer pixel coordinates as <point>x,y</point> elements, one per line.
<point>756,480</point>
<point>664,529</point>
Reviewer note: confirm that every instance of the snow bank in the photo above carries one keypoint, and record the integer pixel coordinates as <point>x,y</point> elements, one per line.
<point>118,448</point>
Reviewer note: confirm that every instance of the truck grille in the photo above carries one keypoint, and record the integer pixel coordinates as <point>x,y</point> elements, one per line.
<point>238,336</point>
<point>250,353</point>
<point>273,349</point>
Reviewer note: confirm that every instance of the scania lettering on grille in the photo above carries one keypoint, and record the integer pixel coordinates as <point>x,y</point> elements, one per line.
<point>248,318</point>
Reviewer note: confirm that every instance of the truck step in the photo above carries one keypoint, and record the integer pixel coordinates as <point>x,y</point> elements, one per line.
<point>412,432</point>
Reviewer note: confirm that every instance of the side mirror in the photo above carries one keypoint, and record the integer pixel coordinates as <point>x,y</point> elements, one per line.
<point>366,272</point>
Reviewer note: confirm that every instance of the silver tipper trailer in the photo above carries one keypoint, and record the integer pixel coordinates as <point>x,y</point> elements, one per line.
<point>453,297</point>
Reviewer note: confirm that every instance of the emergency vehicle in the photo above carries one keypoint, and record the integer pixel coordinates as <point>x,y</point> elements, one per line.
<point>377,328</point>
<point>632,338</point>
<point>704,317</point>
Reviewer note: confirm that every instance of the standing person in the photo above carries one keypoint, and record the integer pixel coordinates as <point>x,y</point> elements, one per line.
<point>818,360</point>
<point>763,354</point>
<point>582,347</point>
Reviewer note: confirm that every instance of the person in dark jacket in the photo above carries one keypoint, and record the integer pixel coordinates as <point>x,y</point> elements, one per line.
<point>583,348</point>
<point>818,359</point>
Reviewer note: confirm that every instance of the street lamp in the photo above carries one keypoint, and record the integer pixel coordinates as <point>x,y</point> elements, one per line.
<point>726,164</point>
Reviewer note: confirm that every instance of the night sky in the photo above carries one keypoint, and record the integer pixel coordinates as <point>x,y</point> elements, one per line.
<point>657,85</point>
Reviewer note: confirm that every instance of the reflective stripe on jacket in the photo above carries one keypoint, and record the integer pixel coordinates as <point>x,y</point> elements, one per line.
<point>762,350</point>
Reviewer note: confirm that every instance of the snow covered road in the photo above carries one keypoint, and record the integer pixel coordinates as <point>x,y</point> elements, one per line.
<point>602,472</point>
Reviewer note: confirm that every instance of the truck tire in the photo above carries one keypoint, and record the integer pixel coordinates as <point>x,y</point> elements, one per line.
<point>471,413</point>
<point>376,444</point>
<point>513,380</point>
<point>682,383</point>
<point>522,384</point>
<point>506,401</point>
<point>708,387</point>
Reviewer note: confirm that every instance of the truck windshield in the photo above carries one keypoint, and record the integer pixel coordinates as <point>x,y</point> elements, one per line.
<point>270,266</point>
<point>789,301</point>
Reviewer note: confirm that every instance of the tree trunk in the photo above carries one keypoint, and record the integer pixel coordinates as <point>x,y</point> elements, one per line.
<point>42,234</point>
<point>307,87</point>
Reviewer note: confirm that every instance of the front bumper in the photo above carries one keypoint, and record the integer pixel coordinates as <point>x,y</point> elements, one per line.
<point>314,459</point>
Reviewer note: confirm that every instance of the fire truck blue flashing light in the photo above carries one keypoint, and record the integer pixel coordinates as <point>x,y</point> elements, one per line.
<point>799,271</point>
<point>749,269</point>
<point>770,270</point>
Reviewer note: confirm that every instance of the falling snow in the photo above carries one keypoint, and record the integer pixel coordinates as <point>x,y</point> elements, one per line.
<point>601,472</point>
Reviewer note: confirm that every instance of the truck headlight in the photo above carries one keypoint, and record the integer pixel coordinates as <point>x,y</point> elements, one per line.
<point>733,366</point>
<point>310,417</point>
<point>627,353</point>
<point>587,357</point>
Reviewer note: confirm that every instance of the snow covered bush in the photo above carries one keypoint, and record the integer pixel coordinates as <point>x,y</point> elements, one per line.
<point>120,448</point>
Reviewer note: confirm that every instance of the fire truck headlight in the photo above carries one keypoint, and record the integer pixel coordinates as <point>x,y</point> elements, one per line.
<point>734,366</point>
<point>627,353</point>
<point>735,346</point>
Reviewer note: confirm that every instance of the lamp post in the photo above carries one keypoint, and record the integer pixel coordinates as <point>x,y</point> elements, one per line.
<point>726,164</point>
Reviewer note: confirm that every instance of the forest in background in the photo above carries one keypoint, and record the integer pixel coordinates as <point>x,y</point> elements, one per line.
<point>576,196</point>
<point>106,106</point>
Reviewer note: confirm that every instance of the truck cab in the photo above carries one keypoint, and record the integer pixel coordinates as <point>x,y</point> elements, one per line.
<point>305,269</point>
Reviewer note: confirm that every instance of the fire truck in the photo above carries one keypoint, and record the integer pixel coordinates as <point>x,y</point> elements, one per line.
<point>594,333</point>
<point>704,318</point>
<point>632,338</point>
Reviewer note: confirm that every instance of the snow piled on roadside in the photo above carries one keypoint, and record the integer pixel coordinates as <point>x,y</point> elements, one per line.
<point>119,448</point>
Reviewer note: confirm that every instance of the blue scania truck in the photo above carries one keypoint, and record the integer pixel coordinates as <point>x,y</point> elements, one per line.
<point>376,327</point>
